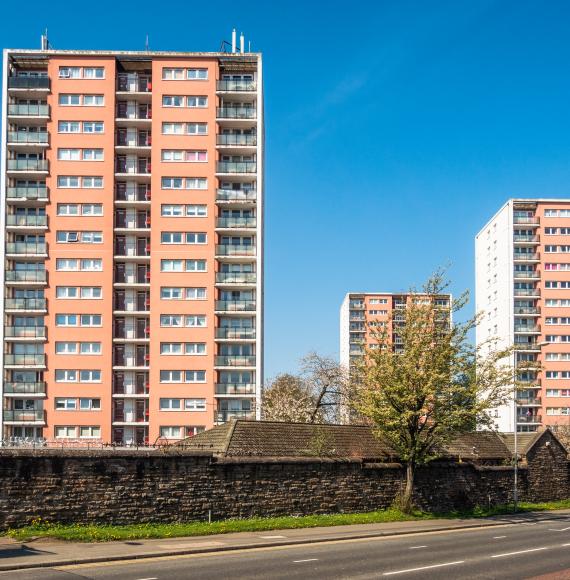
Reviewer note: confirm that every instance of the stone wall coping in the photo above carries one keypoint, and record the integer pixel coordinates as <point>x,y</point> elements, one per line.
<point>275,460</point>
<point>104,452</point>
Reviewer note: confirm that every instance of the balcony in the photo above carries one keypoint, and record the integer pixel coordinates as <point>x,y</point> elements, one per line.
<point>235,389</point>
<point>236,195</point>
<point>236,113</point>
<point>34,83</point>
<point>527,402</point>
<point>235,361</point>
<point>526,257</point>
<point>529,221</point>
<point>236,86</point>
<point>27,193</point>
<point>28,165</point>
<point>236,222</point>
<point>39,304</point>
<point>236,140</point>
<point>529,419</point>
<point>527,310</point>
<point>236,277</point>
<point>131,389</point>
<point>236,333</point>
<point>357,306</point>
<point>134,83</point>
<point>141,139</point>
<point>526,239</point>
<point>527,346</point>
<point>25,332</point>
<point>34,138</point>
<point>28,276</point>
<point>25,110</point>
<point>526,275</point>
<point>235,250</point>
<point>25,388</point>
<point>357,317</point>
<point>139,113</point>
<point>24,416</point>
<point>130,417</point>
<point>26,248</point>
<point>224,416</point>
<point>25,360</point>
<point>26,221</point>
<point>236,167</point>
<point>141,167</point>
<point>235,305</point>
<point>528,328</point>
<point>526,292</point>
<point>138,194</point>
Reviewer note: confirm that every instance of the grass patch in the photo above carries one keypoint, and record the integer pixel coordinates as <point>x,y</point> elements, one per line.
<point>105,533</point>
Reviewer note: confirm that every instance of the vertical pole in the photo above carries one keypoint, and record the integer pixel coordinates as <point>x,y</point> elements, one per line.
<point>516,450</point>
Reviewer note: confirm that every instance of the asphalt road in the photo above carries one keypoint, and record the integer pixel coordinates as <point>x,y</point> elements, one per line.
<point>526,550</point>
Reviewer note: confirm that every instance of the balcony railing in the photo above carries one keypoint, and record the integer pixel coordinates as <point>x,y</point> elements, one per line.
<point>237,140</point>
<point>529,419</point>
<point>25,332</point>
<point>235,389</point>
<point>526,220</point>
<point>527,275</point>
<point>141,193</point>
<point>25,303</point>
<point>527,292</point>
<point>27,164</point>
<point>28,82</point>
<point>25,388</point>
<point>236,195</point>
<point>26,220</point>
<point>24,416</point>
<point>133,84</point>
<point>26,248</point>
<point>238,86</point>
<point>24,192</point>
<point>142,139</point>
<point>236,167</point>
<point>143,112</point>
<point>235,250</point>
<point>235,305</point>
<point>223,416</point>
<point>235,333</point>
<point>130,389</point>
<point>235,360</point>
<point>26,276</point>
<point>527,346</point>
<point>25,110</point>
<point>27,137</point>
<point>527,310</point>
<point>530,239</point>
<point>527,328</point>
<point>236,222</point>
<point>525,257</point>
<point>25,360</point>
<point>236,277</point>
<point>138,168</point>
<point>236,113</point>
<point>529,401</point>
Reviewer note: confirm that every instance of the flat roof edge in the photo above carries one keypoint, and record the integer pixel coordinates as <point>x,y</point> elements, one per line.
<point>138,53</point>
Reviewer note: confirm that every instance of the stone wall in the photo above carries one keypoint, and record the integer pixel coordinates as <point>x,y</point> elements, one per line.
<point>123,487</point>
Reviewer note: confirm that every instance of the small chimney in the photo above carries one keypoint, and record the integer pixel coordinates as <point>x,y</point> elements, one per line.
<point>234,40</point>
<point>242,43</point>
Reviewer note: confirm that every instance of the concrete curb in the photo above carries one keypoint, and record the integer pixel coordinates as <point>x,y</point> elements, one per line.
<point>285,542</point>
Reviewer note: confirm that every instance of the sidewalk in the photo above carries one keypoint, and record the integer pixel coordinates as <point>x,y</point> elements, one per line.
<point>47,553</point>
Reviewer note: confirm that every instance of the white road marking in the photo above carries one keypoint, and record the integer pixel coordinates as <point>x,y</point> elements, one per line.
<point>423,568</point>
<point>564,545</point>
<point>307,560</point>
<point>519,552</point>
<point>272,537</point>
<point>562,530</point>
<point>153,578</point>
<point>417,547</point>
<point>498,537</point>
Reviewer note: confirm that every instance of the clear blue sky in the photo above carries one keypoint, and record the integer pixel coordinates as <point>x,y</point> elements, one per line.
<point>394,131</point>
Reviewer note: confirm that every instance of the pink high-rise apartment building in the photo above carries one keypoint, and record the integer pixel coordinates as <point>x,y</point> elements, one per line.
<point>523,293</point>
<point>132,218</point>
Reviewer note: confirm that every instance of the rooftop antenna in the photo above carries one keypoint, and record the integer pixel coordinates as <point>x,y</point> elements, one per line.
<point>45,41</point>
<point>234,40</point>
<point>146,43</point>
<point>242,43</point>
<point>249,46</point>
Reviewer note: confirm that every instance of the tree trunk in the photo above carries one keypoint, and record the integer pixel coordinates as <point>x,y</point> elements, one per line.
<point>407,502</point>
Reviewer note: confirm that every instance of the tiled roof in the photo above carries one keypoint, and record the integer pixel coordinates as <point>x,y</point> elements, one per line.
<point>524,441</point>
<point>243,438</point>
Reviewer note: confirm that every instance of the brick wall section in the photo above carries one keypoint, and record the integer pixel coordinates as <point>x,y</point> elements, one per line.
<point>122,487</point>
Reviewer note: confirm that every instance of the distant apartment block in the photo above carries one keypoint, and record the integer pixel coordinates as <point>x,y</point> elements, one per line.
<point>523,290</point>
<point>132,224</point>
<point>362,314</point>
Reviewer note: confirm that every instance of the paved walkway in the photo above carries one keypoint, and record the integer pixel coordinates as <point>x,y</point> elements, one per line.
<point>46,553</point>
